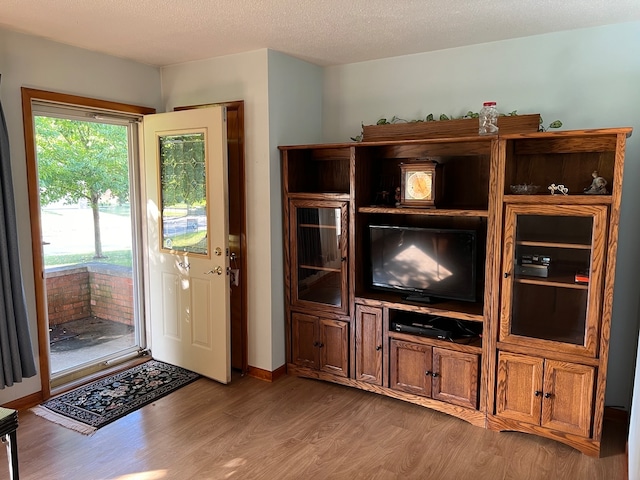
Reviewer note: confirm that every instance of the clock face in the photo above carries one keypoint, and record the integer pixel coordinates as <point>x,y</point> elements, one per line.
<point>419,186</point>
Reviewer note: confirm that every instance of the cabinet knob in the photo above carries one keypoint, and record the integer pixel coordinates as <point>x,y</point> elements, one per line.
<point>537,393</point>
<point>428,372</point>
<point>378,348</point>
<point>320,345</point>
<point>506,274</point>
<point>435,374</point>
<point>548,395</point>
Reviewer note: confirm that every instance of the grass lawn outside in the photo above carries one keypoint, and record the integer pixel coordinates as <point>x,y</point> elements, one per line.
<point>194,242</point>
<point>117,257</point>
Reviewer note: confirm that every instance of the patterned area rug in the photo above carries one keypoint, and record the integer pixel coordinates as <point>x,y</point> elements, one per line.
<point>97,404</point>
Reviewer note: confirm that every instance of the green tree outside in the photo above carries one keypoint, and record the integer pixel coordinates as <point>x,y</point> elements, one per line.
<point>80,160</point>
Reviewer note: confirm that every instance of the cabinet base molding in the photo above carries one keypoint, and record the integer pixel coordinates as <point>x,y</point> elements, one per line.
<point>474,417</point>
<point>585,445</point>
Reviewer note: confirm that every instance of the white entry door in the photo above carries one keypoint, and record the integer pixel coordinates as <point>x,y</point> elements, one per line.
<point>187,227</point>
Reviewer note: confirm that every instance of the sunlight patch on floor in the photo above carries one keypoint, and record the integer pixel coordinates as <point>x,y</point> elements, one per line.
<point>150,475</point>
<point>234,463</point>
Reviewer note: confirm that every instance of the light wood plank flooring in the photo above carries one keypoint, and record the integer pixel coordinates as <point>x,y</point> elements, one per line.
<point>297,429</point>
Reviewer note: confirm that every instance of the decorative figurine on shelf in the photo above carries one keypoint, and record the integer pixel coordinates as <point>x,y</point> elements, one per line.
<point>553,188</point>
<point>598,185</point>
<point>382,198</point>
<point>384,195</point>
<point>398,196</point>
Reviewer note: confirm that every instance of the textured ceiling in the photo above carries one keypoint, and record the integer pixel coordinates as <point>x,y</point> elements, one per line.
<point>324,32</point>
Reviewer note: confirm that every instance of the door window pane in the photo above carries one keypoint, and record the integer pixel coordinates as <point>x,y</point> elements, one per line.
<point>183,193</point>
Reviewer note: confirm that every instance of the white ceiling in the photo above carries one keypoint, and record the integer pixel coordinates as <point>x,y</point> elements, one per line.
<point>324,32</point>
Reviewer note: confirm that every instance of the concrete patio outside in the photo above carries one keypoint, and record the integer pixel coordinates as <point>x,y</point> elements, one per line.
<point>74,343</point>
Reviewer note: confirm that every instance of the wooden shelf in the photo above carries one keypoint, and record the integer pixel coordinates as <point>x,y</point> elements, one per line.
<point>572,246</point>
<point>560,199</point>
<point>443,212</point>
<point>561,282</point>
<point>469,345</point>
<point>324,269</point>
<point>549,352</point>
<point>316,226</point>
<point>468,311</point>
<point>335,196</point>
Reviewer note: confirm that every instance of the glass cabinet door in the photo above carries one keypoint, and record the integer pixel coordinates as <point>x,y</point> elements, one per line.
<point>552,273</point>
<point>319,255</point>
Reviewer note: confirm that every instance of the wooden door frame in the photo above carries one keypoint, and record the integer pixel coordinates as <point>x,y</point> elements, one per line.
<point>28,95</point>
<point>237,228</point>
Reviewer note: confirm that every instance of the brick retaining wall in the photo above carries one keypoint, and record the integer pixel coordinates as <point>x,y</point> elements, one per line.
<point>68,295</point>
<point>94,289</point>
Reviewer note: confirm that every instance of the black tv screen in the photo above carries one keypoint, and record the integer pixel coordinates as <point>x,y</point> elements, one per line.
<point>429,263</point>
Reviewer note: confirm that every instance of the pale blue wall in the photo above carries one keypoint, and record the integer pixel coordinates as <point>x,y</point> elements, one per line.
<point>295,116</point>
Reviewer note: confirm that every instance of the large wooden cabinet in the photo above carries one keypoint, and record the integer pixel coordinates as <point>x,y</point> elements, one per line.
<point>536,358</point>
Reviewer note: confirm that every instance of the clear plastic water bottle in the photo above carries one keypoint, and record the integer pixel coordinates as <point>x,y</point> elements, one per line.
<point>488,119</point>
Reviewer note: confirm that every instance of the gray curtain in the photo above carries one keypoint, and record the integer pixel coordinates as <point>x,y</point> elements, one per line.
<point>16,354</point>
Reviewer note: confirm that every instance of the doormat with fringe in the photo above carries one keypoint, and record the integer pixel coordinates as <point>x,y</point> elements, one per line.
<point>92,406</point>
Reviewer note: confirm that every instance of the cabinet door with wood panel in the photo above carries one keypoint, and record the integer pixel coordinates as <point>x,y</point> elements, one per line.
<point>304,340</point>
<point>455,377</point>
<point>369,347</point>
<point>568,397</point>
<point>549,393</point>
<point>410,367</point>
<point>519,387</point>
<point>320,343</point>
<point>333,346</point>
<point>439,373</point>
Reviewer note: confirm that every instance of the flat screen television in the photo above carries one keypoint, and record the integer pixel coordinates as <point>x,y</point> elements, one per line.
<point>427,263</point>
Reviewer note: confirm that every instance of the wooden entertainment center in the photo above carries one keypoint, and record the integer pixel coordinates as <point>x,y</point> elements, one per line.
<point>545,275</point>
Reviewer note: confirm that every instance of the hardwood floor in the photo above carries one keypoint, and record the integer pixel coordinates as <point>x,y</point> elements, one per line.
<point>297,429</point>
